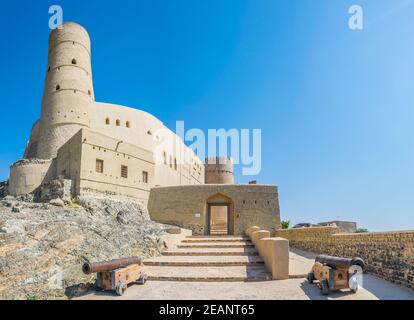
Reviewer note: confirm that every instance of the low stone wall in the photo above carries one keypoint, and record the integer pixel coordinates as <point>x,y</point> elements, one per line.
<point>389,255</point>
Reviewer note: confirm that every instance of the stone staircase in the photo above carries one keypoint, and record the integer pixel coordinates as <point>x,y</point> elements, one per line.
<point>209,259</point>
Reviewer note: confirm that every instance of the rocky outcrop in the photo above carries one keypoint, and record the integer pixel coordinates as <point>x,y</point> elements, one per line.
<point>43,246</point>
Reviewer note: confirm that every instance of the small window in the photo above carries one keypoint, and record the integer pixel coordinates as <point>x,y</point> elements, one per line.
<point>145,176</point>
<point>171,162</point>
<point>124,172</point>
<point>165,157</point>
<point>57,87</point>
<point>149,132</point>
<point>89,93</point>
<point>48,69</point>
<point>107,121</point>
<point>74,61</point>
<point>175,164</point>
<point>128,124</point>
<point>99,165</point>
<point>118,123</point>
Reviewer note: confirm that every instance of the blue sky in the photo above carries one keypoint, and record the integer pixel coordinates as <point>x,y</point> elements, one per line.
<point>335,106</point>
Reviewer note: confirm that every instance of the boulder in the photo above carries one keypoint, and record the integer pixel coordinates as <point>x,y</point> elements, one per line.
<point>57,202</point>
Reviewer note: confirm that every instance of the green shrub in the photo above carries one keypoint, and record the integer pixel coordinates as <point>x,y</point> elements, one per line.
<point>362,230</point>
<point>285,224</point>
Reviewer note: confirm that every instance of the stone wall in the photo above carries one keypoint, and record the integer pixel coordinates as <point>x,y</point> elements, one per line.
<point>58,188</point>
<point>188,206</point>
<point>389,255</point>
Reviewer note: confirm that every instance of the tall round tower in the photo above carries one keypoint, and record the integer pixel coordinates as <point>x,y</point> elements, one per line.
<point>219,170</point>
<point>68,91</point>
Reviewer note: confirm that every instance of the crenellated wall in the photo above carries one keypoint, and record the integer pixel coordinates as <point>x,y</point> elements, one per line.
<point>389,255</point>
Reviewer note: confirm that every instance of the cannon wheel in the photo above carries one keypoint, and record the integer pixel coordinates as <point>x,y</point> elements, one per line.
<point>311,277</point>
<point>142,279</point>
<point>325,287</point>
<point>119,289</point>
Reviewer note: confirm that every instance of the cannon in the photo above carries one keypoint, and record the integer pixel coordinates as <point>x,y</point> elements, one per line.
<point>336,273</point>
<point>116,275</point>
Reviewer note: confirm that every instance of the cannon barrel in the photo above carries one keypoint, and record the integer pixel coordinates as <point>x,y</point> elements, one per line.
<point>337,262</point>
<point>89,268</point>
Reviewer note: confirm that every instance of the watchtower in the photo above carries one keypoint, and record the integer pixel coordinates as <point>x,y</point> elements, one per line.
<point>68,91</point>
<point>219,170</point>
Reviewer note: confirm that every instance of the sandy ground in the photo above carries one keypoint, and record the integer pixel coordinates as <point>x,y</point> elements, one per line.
<point>301,262</point>
<point>292,289</point>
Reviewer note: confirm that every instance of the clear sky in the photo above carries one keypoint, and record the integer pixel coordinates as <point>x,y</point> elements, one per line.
<point>336,107</point>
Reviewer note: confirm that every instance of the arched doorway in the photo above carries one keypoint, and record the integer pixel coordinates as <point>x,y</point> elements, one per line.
<point>220,217</point>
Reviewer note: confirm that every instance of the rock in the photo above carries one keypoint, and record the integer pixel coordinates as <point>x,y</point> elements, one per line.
<point>110,210</point>
<point>67,200</point>
<point>26,198</point>
<point>57,202</point>
<point>16,209</point>
<point>59,239</point>
<point>123,217</point>
<point>9,198</point>
<point>173,230</point>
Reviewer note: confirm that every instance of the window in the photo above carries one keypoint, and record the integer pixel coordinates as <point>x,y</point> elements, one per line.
<point>89,93</point>
<point>128,124</point>
<point>145,176</point>
<point>99,166</point>
<point>124,172</point>
<point>175,164</point>
<point>57,87</point>
<point>107,121</point>
<point>165,157</point>
<point>74,61</point>
<point>171,162</point>
<point>118,123</point>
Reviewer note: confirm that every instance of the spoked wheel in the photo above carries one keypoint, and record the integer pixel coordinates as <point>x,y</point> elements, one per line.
<point>142,279</point>
<point>353,284</point>
<point>324,287</point>
<point>311,277</point>
<point>120,289</point>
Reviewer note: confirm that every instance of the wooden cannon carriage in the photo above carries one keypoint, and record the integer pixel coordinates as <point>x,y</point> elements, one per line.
<point>116,275</point>
<point>335,273</point>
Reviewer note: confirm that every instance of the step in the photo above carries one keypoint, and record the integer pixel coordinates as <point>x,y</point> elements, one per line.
<point>221,244</point>
<point>211,252</point>
<point>207,274</point>
<point>215,239</point>
<point>210,261</point>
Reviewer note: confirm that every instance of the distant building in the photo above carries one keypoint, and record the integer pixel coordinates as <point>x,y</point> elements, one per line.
<point>344,226</point>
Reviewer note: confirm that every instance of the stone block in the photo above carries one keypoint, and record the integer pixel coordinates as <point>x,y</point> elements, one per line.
<point>251,229</point>
<point>257,235</point>
<point>275,254</point>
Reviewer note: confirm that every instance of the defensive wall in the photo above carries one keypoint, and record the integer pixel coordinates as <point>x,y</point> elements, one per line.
<point>389,255</point>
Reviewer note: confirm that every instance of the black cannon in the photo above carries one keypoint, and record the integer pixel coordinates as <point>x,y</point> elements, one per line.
<point>336,273</point>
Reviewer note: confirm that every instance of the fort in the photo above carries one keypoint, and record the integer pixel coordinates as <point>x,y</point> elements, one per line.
<point>111,149</point>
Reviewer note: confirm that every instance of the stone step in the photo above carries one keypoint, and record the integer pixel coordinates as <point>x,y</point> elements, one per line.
<point>207,274</point>
<point>211,252</point>
<point>207,261</point>
<point>215,239</point>
<point>220,244</point>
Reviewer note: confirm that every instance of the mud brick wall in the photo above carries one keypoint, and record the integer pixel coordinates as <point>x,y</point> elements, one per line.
<point>389,255</point>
